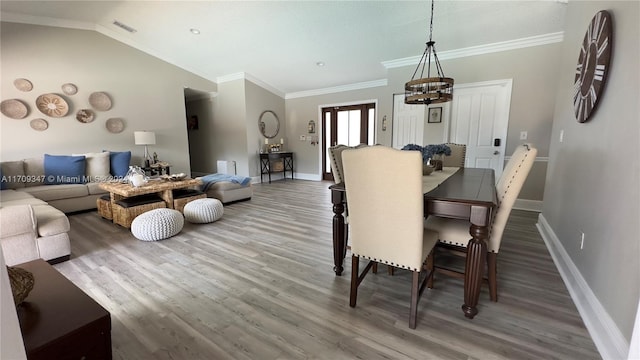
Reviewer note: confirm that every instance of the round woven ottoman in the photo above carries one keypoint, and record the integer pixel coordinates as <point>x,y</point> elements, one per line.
<point>157,224</point>
<point>203,211</point>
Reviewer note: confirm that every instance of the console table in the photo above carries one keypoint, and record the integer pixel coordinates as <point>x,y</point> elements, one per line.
<point>267,159</point>
<point>60,321</point>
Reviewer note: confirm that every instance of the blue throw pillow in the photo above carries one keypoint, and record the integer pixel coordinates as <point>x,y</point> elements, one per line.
<point>63,169</point>
<point>119,162</point>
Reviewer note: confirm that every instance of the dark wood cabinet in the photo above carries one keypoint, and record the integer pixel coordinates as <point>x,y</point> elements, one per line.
<point>59,321</point>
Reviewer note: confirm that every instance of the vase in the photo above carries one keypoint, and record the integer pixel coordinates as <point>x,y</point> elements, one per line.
<point>437,164</point>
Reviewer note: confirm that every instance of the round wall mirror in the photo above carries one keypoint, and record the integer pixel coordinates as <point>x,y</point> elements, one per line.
<point>269,124</point>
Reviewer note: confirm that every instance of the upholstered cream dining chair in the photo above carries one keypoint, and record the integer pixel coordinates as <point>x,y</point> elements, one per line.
<point>335,160</point>
<point>384,190</point>
<point>454,234</point>
<point>457,157</point>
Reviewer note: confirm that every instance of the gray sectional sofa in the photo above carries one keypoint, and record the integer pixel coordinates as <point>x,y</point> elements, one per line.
<point>33,223</point>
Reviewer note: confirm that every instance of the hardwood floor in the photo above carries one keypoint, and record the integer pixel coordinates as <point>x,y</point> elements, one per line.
<point>258,284</point>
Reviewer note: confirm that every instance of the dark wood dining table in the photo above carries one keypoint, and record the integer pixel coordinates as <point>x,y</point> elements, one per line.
<point>469,194</point>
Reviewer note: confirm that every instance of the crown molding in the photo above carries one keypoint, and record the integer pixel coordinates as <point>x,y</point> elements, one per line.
<point>335,89</point>
<point>538,40</point>
<point>249,77</point>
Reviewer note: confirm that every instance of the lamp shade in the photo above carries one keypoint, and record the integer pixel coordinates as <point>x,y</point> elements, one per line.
<point>144,137</point>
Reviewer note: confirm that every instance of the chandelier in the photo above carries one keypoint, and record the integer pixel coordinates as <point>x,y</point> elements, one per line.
<point>428,90</point>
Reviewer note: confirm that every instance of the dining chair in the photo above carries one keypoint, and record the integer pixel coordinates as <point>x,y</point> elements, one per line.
<point>457,157</point>
<point>384,189</point>
<point>335,160</point>
<point>454,234</point>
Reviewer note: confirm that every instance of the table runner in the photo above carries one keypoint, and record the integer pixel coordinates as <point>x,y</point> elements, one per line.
<point>431,181</point>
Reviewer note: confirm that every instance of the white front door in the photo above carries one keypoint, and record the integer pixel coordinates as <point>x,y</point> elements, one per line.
<point>408,123</point>
<point>479,119</point>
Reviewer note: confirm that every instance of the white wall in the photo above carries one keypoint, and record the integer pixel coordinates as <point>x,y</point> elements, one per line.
<point>593,179</point>
<point>145,91</point>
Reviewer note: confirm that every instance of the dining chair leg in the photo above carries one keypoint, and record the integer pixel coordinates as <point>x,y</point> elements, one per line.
<point>430,268</point>
<point>355,268</point>
<point>413,309</point>
<point>492,267</point>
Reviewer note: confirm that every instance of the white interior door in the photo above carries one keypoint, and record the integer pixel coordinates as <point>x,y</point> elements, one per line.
<point>479,119</point>
<point>408,123</point>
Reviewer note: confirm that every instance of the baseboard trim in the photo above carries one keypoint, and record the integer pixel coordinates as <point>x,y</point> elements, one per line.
<point>529,205</point>
<point>605,333</point>
<point>313,177</point>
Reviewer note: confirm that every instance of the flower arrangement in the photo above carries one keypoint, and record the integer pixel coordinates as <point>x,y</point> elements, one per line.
<point>429,151</point>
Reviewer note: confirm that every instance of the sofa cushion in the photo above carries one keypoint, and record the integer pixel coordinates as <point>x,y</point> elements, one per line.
<point>65,191</point>
<point>13,174</point>
<point>64,169</point>
<point>34,169</point>
<point>94,188</point>
<point>27,201</point>
<point>16,198</point>
<point>51,221</point>
<point>11,195</point>
<point>119,162</point>
<point>17,221</point>
<point>97,166</point>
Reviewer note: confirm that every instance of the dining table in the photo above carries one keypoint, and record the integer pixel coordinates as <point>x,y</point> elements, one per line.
<point>457,193</point>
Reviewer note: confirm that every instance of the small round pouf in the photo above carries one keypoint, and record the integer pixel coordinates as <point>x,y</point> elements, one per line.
<point>201,211</point>
<point>157,224</point>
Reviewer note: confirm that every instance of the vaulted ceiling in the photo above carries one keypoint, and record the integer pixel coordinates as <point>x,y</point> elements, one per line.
<point>281,42</point>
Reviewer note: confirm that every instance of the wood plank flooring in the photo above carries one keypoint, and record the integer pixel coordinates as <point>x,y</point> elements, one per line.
<point>258,284</point>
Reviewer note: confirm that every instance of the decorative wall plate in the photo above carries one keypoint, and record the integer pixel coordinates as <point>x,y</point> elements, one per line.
<point>23,84</point>
<point>39,124</point>
<point>100,101</point>
<point>69,89</point>
<point>14,109</point>
<point>115,125</point>
<point>85,116</point>
<point>593,65</point>
<point>52,105</point>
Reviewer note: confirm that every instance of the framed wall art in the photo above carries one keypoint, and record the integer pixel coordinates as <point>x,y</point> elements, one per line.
<point>435,115</point>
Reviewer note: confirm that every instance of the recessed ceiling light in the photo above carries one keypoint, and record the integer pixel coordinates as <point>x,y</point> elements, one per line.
<point>320,63</point>
<point>195,31</point>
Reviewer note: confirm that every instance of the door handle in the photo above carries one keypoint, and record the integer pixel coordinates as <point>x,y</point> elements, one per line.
<point>496,152</point>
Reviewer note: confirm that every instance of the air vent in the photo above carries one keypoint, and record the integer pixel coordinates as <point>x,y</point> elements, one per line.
<point>123,26</point>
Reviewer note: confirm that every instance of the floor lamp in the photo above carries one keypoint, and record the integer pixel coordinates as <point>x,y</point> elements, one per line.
<point>145,138</point>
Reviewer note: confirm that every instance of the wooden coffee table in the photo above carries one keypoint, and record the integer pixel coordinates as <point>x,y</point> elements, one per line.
<point>164,188</point>
<point>60,321</point>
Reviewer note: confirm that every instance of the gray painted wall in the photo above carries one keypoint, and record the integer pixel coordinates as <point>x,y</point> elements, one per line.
<point>593,176</point>
<point>235,135</point>
<point>259,100</point>
<point>145,91</point>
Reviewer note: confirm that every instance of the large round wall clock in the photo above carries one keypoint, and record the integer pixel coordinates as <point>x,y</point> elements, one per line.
<point>593,66</point>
